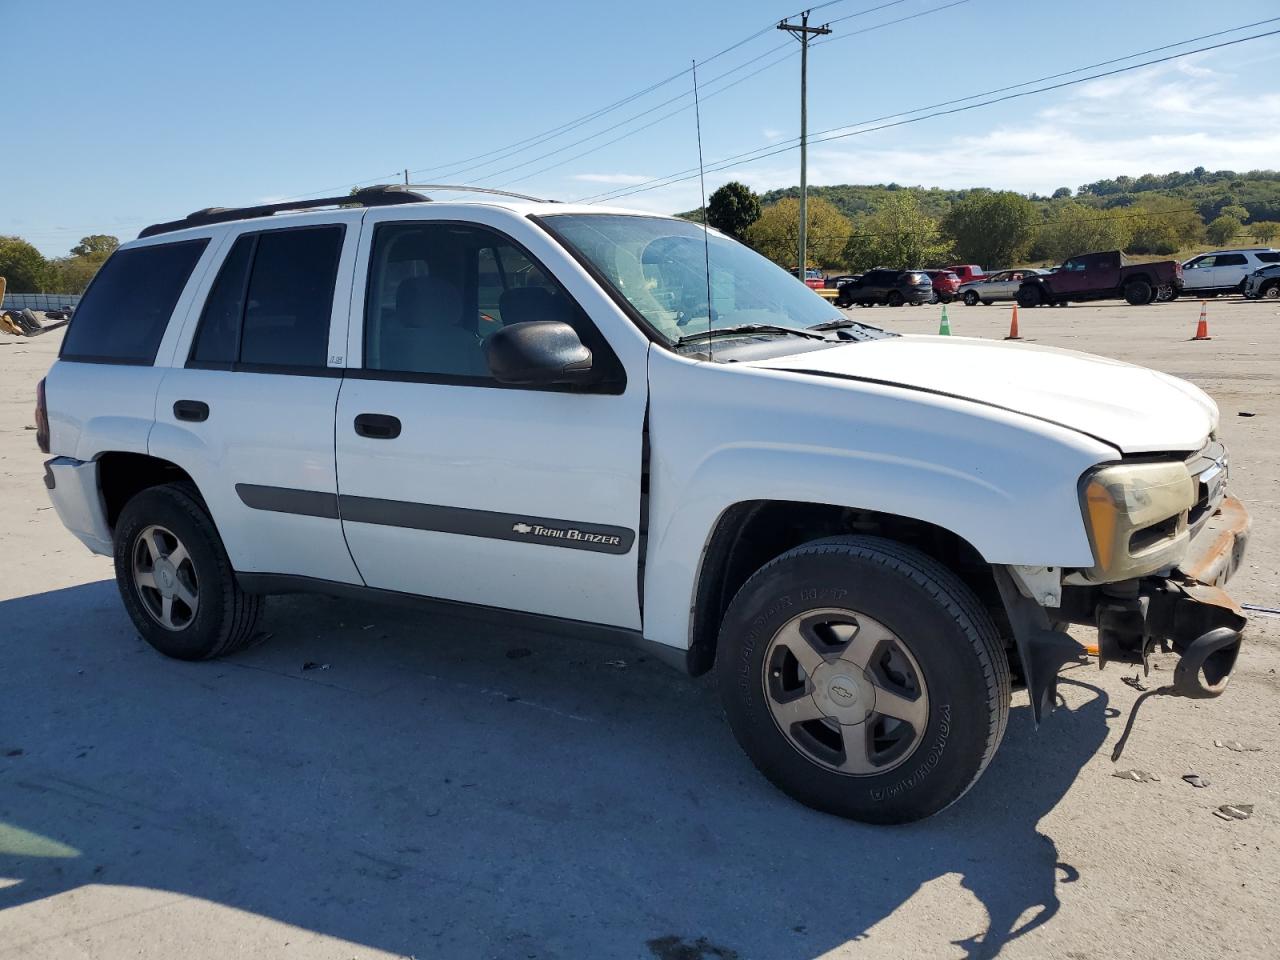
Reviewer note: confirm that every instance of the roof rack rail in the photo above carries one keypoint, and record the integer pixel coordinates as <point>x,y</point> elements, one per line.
<point>379,196</point>
<point>460,188</point>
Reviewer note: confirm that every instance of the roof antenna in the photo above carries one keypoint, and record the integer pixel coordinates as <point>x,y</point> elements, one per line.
<point>702,180</point>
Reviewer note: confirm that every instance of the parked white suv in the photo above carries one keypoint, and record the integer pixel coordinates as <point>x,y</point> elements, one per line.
<point>1224,271</point>
<point>554,411</point>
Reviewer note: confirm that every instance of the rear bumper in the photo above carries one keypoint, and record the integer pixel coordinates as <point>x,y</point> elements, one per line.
<point>73,488</point>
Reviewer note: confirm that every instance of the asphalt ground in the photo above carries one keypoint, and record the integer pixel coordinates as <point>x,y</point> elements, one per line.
<point>432,787</point>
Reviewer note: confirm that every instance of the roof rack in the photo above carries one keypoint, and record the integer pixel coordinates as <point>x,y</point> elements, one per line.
<point>459,188</point>
<point>379,196</point>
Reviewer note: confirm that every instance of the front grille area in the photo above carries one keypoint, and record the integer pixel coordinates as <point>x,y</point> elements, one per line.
<point>1209,470</point>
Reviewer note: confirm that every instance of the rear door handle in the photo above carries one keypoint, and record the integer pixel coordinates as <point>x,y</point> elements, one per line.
<point>196,411</point>
<point>378,426</point>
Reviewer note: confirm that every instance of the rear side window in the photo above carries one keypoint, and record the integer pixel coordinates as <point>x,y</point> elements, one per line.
<point>126,309</point>
<point>1231,260</point>
<point>270,305</point>
<point>1269,257</point>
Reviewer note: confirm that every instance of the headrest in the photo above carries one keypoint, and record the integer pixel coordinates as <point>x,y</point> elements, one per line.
<point>524,304</point>
<point>427,300</point>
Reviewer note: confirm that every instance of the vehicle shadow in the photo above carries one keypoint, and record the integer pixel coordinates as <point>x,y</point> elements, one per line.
<point>435,787</point>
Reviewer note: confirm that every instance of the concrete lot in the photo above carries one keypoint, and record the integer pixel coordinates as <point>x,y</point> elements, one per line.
<point>444,789</point>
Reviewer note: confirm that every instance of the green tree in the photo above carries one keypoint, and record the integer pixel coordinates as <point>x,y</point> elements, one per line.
<point>1264,231</point>
<point>897,234</point>
<point>995,229</point>
<point>1223,230</point>
<point>733,208</point>
<point>1073,228</point>
<point>1162,225</point>
<point>1235,211</point>
<point>777,233</point>
<point>22,265</point>
<point>1062,193</point>
<point>99,245</point>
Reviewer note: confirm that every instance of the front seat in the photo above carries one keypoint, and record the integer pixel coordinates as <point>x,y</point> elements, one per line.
<point>427,335</point>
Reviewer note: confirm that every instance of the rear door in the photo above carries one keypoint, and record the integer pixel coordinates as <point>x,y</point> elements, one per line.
<point>456,486</point>
<point>1230,269</point>
<point>248,405</point>
<point>1102,271</point>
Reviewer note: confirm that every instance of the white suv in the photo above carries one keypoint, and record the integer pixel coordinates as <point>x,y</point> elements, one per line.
<point>554,411</point>
<point>1224,271</point>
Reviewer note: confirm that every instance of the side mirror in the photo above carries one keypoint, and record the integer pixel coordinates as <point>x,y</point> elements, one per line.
<point>538,352</point>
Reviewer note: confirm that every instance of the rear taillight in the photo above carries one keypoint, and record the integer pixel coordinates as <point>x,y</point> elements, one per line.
<point>42,419</point>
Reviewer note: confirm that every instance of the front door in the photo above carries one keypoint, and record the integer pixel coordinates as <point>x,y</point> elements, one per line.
<point>455,486</point>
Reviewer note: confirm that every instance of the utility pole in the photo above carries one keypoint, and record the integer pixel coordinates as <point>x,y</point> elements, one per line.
<point>802,31</point>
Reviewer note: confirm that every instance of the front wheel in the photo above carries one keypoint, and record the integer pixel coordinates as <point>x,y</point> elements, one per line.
<point>970,298</point>
<point>175,579</point>
<point>1271,291</point>
<point>1029,296</point>
<point>895,299</point>
<point>863,679</point>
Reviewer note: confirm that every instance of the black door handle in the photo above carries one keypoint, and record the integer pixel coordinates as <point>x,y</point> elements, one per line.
<point>197,411</point>
<point>377,426</point>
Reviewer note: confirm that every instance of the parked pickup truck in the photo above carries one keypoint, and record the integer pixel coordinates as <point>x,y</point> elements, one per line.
<point>530,410</point>
<point>1102,276</point>
<point>967,272</point>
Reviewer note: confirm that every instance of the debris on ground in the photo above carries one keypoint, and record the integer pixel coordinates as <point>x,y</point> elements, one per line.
<point>1237,747</point>
<point>1135,682</point>
<point>1137,776</point>
<point>312,665</point>
<point>1245,413</point>
<point>24,323</point>
<point>1195,779</point>
<point>1234,811</point>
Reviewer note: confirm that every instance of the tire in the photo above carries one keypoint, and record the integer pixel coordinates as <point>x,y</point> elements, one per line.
<point>215,617</point>
<point>1271,291</point>
<point>946,298</point>
<point>1137,293</point>
<point>987,303</point>
<point>938,645</point>
<point>895,299</point>
<point>1029,296</point>
<point>970,298</point>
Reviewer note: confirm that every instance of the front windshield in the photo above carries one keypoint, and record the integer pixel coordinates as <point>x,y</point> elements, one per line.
<point>660,266</point>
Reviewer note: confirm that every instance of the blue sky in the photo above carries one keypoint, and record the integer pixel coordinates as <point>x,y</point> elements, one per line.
<point>125,113</point>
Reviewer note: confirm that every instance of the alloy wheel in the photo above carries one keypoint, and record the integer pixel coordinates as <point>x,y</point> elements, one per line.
<point>846,692</point>
<point>165,578</point>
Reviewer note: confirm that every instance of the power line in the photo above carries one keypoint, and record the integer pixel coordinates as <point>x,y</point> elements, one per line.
<point>516,147</point>
<point>763,153</point>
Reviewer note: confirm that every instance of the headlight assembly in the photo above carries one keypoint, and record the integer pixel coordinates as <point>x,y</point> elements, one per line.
<point>1136,515</point>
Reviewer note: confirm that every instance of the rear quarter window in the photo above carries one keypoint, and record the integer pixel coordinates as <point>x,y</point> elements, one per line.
<point>1269,257</point>
<point>124,313</point>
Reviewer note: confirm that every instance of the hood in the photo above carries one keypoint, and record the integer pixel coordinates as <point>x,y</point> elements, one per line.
<point>1132,408</point>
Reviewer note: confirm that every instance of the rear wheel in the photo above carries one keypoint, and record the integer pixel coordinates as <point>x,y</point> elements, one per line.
<point>864,679</point>
<point>175,578</point>
<point>970,298</point>
<point>1271,291</point>
<point>1138,292</point>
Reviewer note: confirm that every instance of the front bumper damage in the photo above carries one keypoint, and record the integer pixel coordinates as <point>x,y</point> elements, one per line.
<point>1186,612</point>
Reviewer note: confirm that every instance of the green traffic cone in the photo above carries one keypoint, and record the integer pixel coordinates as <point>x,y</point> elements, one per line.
<point>945,329</point>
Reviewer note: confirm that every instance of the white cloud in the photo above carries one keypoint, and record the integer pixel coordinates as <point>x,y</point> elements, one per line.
<point>773,136</point>
<point>620,179</point>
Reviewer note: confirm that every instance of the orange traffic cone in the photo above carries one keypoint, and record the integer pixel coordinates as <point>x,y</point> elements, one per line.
<point>1202,328</point>
<point>1013,325</point>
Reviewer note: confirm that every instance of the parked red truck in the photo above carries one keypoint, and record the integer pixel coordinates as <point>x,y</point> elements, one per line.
<point>1101,276</point>
<point>967,271</point>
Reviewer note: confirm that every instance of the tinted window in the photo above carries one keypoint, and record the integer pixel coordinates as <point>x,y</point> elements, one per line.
<point>437,291</point>
<point>218,336</point>
<point>125,311</point>
<point>1231,260</point>
<point>286,316</point>
<point>1269,257</point>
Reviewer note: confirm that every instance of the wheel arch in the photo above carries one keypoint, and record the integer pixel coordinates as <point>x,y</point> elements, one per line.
<point>749,534</point>
<point>123,475</point>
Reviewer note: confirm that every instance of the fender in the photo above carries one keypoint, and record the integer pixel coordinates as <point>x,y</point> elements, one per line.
<point>726,434</point>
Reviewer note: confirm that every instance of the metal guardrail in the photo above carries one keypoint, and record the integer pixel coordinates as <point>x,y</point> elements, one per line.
<point>40,301</point>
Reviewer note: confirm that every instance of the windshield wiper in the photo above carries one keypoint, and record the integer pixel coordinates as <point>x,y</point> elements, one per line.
<point>746,328</point>
<point>840,323</point>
